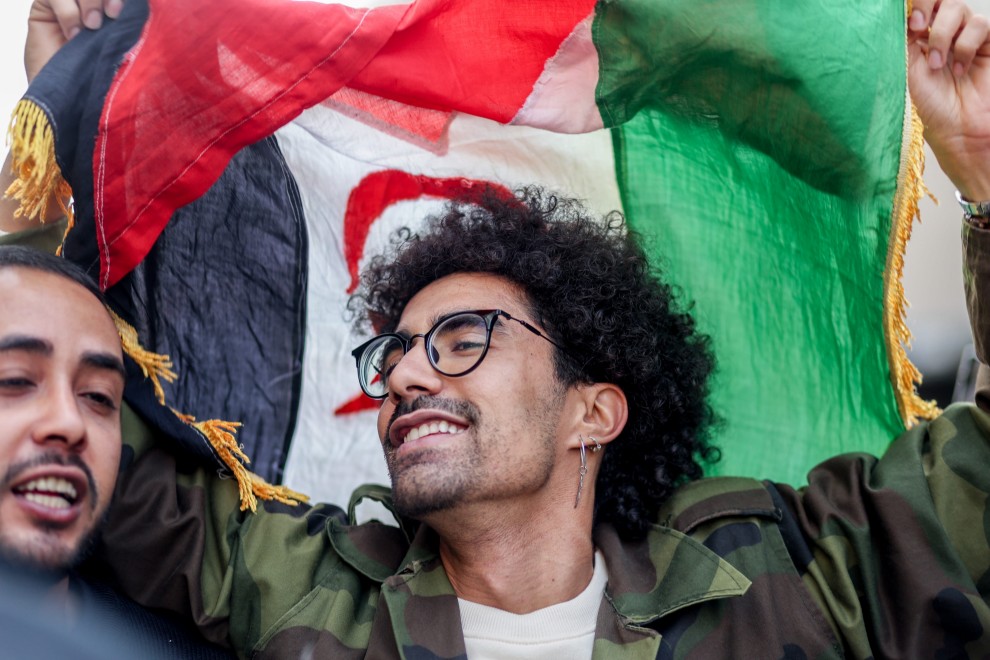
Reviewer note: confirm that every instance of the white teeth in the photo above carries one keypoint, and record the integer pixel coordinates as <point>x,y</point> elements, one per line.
<point>443,426</point>
<point>50,485</point>
<point>50,501</point>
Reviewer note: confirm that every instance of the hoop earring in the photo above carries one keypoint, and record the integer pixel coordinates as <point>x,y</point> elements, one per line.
<point>583,470</point>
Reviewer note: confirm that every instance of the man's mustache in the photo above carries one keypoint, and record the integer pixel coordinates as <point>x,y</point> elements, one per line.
<point>52,458</point>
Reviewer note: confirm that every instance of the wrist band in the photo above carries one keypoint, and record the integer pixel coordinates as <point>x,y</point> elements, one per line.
<point>976,213</point>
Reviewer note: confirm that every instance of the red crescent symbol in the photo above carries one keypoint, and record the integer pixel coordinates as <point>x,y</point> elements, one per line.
<point>369,199</point>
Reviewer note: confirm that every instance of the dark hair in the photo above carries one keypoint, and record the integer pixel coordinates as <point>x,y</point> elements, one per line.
<point>594,291</point>
<point>18,256</point>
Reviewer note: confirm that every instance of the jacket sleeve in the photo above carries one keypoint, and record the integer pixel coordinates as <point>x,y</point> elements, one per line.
<point>175,539</point>
<point>897,550</point>
<point>976,278</point>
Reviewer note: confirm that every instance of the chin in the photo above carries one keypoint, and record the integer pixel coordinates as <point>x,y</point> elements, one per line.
<point>44,551</point>
<point>417,504</point>
<point>40,555</point>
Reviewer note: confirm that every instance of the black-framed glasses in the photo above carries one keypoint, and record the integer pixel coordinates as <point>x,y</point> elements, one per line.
<point>455,346</point>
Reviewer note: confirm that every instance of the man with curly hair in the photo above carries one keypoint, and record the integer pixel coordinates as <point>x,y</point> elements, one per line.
<point>544,406</point>
<point>561,385</point>
<point>626,359</point>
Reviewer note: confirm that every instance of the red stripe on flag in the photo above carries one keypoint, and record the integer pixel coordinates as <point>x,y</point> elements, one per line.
<point>205,80</point>
<point>208,78</point>
<point>379,190</point>
<point>357,404</point>
<point>481,57</point>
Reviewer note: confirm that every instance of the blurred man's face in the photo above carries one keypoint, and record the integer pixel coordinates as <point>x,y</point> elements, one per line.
<point>61,386</point>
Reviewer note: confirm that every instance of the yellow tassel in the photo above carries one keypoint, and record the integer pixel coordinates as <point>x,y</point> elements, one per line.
<point>38,179</point>
<point>267,491</point>
<point>220,435</point>
<point>153,365</point>
<point>910,189</point>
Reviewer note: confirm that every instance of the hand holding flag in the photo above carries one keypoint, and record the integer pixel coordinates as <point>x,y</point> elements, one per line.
<point>949,79</point>
<point>51,23</point>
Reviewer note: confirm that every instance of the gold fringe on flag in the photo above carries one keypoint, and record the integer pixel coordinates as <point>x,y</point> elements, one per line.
<point>220,435</point>
<point>38,180</point>
<point>910,189</point>
<point>154,366</point>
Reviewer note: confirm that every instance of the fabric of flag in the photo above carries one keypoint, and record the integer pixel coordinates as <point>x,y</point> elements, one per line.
<point>763,164</point>
<point>233,164</point>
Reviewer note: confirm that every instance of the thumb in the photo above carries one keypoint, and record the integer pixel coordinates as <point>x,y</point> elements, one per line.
<point>44,40</point>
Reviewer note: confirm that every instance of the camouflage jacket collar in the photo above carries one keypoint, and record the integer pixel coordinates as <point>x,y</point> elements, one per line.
<point>647,579</point>
<point>662,573</point>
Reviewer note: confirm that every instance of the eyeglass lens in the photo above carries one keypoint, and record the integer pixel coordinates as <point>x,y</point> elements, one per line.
<point>455,346</point>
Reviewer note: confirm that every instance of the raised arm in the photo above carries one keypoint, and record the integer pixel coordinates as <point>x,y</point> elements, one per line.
<point>949,78</point>
<point>51,23</point>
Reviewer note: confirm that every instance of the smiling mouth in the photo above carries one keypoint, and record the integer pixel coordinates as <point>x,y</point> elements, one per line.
<point>430,428</point>
<point>49,492</point>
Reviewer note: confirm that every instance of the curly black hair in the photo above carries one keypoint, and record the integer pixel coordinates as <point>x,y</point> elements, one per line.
<point>595,293</point>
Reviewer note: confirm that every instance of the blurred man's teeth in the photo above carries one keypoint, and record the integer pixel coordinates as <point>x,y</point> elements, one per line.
<point>54,492</point>
<point>50,501</point>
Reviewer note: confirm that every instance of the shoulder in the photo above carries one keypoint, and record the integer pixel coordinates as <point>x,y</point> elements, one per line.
<point>718,498</point>
<point>955,446</point>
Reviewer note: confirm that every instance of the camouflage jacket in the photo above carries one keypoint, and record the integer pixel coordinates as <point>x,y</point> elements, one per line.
<point>875,558</point>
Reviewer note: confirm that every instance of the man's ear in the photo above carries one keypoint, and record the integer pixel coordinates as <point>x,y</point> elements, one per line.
<point>603,410</point>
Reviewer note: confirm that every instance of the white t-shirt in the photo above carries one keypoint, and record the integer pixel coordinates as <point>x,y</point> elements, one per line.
<point>565,630</point>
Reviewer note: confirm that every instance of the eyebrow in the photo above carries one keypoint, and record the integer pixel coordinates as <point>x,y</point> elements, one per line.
<point>106,361</point>
<point>38,346</point>
<point>440,316</point>
<point>25,343</point>
<point>434,320</point>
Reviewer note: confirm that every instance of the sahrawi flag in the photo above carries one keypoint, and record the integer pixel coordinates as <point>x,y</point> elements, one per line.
<point>233,163</point>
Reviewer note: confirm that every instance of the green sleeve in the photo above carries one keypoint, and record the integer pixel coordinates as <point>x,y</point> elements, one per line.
<point>46,237</point>
<point>874,558</point>
<point>176,540</point>
<point>899,552</point>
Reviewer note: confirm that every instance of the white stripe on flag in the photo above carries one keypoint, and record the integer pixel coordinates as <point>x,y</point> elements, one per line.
<point>563,99</point>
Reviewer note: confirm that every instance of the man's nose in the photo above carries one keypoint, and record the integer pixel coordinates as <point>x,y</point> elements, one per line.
<point>413,375</point>
<point>60,419</point>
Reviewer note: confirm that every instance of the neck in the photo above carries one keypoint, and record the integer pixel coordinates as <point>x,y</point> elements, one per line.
<point>518,557</point>
<point>39,589</point>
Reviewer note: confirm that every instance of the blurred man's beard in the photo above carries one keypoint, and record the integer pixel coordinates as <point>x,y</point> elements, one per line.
<point>43,550</point>
<point>44,553</point>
